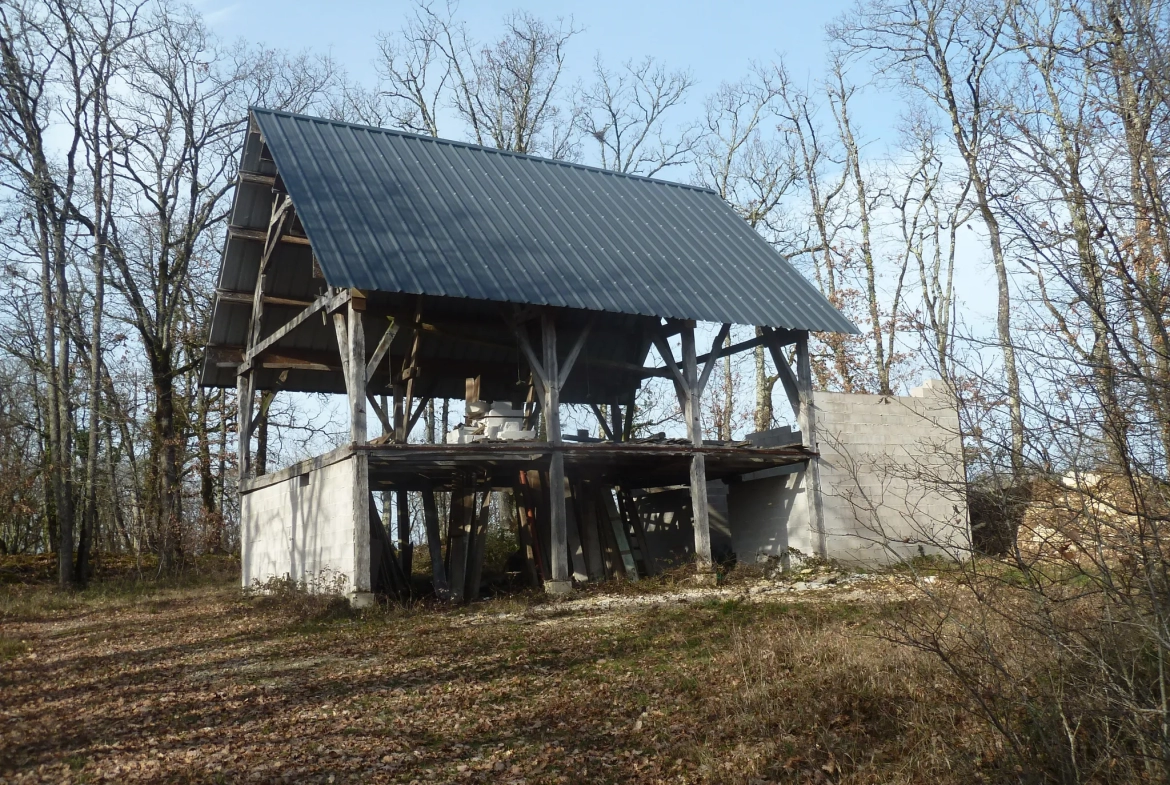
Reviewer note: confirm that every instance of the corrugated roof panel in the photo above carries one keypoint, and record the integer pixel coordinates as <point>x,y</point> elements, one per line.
<point>396,212</point>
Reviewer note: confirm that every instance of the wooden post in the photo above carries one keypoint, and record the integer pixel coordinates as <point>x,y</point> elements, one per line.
<point>354,356</point>
<point>435,545</point>
<point>691,411</point>
<point>559,582</point>
<point>807,420</point>
<point>551,375</point>
<point>244,396</point>
<point>689,382</point>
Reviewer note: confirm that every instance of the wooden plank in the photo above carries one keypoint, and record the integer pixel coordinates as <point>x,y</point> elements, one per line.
<point>591,537</point>
<point>538,488</point>
<point>613,544</point>
<point>526,532</point>
<point>573,525</point>
<point>608,512</point>
<point>629,510</point>
<point>435,545</point>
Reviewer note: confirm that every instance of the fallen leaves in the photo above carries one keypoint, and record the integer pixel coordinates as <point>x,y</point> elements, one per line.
<point>212,689</point>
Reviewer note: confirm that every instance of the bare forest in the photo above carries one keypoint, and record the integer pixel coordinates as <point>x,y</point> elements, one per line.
<point>1010,236</point>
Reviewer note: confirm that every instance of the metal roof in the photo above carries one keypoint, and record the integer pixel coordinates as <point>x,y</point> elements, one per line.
<point>396,212</point>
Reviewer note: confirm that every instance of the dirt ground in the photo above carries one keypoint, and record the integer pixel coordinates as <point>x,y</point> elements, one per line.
<point>763,681</point>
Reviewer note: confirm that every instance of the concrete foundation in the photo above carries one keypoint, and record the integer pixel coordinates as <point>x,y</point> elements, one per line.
<point>558,588</point>
<point>299,524</point>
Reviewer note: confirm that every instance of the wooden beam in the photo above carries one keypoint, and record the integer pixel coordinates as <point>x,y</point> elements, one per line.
<point>381,414</point>
<point>342,333</point>
<point>246,298</point>
<point>567,365</point>
<point>601,419</point>
<point>664,350</point>
<point>259,235</point>
<point>415,415</point>
<point>257,178</point>
<point>787,377</point>
<point>381,349</point>
<point>712,358</point>
<point>785,337</point>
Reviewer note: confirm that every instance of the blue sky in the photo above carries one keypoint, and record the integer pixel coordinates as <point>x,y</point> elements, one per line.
<point>717,41</point>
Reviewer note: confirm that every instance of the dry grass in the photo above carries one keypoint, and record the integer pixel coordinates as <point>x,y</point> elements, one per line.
<point>204,684</point>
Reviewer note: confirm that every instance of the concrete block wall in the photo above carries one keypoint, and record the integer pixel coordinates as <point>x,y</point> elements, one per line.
<point>302,527</point>
<point>892,484</point>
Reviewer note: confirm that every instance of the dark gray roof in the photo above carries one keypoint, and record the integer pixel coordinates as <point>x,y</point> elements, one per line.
<point>397,212</point>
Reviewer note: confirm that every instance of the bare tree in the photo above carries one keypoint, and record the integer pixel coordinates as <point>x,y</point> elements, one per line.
<point>751,164</point>
<point>625,113</point>
<point>948,51</point>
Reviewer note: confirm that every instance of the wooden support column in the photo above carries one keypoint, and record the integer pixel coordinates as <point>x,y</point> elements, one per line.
<point>691,411</point>
<point>244,395</point>
<point>550,375</point>
<point>807,420</point>
<point>689,383</point>
<point>558,514</point>
<point>351,342</point>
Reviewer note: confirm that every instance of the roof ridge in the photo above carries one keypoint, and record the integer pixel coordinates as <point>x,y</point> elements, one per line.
<point>484,148</point>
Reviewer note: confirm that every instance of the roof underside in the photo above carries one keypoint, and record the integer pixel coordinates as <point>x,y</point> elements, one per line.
<point>399,213</point>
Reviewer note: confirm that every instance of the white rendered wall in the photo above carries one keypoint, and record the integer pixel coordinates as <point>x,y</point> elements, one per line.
<point>892,484</point>
<point>302,527</point>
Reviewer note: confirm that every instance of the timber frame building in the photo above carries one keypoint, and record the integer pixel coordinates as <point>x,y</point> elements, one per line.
<point>395,269</point>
